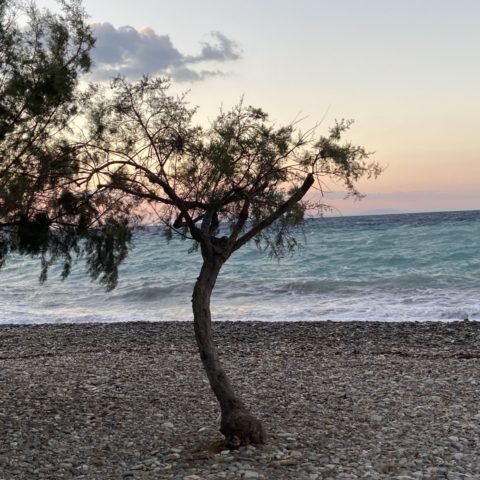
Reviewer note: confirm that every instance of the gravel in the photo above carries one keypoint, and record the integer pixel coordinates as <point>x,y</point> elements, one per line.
<point>338,400</point>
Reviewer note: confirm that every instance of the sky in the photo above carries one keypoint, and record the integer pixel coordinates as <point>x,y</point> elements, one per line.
<point>406,71</point>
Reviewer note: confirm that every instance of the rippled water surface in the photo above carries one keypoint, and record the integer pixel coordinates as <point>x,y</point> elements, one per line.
<point>388,267</point>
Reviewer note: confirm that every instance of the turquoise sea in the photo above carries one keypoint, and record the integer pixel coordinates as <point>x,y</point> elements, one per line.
<point>414,267</point>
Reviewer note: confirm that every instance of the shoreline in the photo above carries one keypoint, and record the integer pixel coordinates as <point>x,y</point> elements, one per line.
<point>338,400</point>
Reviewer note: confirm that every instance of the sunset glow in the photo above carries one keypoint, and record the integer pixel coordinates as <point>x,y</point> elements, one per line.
<point>405,71</point>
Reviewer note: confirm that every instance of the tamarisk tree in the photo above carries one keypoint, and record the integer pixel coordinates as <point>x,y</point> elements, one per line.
<point>241,179</point>
<point>42,58</point>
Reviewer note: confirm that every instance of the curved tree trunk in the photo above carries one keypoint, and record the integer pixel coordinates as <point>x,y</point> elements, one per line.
<point>237,424</point>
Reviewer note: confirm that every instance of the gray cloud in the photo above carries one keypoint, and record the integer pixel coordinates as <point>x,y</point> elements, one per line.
<point>222,51</point>
<point>185,74</point>
<point>132,53</point>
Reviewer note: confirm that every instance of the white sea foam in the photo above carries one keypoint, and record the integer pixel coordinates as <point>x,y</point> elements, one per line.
<point>389,268</point>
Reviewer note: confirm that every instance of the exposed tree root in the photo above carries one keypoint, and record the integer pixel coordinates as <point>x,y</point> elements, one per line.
<point>241,428</point>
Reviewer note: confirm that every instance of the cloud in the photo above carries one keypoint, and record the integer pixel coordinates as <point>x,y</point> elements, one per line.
<point>223,51</point>
<point>133,53</point>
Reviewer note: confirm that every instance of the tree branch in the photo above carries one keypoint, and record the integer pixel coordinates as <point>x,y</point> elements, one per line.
<point>266,222</point>
<point>242,218</point>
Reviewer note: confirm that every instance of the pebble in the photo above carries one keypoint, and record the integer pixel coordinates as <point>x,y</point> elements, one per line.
<point>131,401</point>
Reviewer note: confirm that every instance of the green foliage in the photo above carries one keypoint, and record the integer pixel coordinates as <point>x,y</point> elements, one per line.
<point>64,195</point>
<point>40,63</point>
<point>106,248</point>
<point>242,178</point>
<point>344,160</point>
<point>44,210</point>
<point>32,235</point>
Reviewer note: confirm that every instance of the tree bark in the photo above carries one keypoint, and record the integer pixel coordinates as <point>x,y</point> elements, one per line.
<point>237,425</point>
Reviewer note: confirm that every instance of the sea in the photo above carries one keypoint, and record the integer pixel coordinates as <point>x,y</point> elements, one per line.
<point>406,267</point>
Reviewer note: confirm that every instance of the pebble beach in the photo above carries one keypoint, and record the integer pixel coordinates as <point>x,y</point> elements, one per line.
<point>338,400</point>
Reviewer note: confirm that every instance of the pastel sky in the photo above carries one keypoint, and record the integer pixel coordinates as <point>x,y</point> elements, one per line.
<point>407,71</point>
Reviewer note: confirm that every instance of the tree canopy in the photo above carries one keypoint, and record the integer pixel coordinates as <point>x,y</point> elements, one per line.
<point>42,58</point>
<point>62,194</point>
<point>243,170</point>
<point>242,178</point>
<point>78,169</point>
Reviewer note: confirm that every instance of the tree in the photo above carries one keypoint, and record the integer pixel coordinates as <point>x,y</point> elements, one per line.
<point>241,179</point>
<point>42,56</point>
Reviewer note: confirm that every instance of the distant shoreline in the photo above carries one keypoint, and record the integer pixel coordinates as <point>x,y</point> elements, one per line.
<point>376,212</point>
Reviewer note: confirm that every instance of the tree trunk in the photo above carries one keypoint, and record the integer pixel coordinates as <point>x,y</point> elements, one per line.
<point>237,424</point>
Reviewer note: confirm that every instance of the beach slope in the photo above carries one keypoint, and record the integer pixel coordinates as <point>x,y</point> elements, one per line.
<point>338,400</point>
